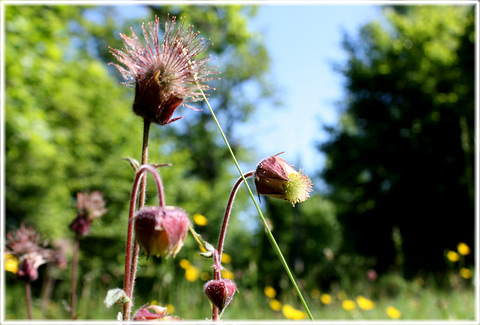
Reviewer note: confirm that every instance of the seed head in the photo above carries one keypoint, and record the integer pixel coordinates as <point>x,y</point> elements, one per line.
<point>161,231</point>
<point>165,75</point>
<point>275,177</point>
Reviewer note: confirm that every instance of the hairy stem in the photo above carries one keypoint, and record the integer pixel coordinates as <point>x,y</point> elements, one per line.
<point>28,294</point>
<point>267,229</point>
<point>73,294</point>
<point>141,203</point>
<point>223,232</point>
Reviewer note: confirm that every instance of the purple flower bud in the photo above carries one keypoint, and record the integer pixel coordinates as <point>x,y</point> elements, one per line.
<point>150,313</point>
<point>220,292</point>
<point>161,231</point>
<point>81,226</point>
<point>27,271</point>
<point>275,177</point>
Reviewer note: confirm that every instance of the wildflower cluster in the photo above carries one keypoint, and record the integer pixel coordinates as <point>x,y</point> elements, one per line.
<point>459,256</point>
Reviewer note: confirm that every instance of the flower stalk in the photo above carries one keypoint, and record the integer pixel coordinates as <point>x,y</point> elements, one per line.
<point>73,294</point>
<point>267,229</point>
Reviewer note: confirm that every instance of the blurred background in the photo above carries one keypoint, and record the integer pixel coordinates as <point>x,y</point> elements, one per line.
<point>374,103</point>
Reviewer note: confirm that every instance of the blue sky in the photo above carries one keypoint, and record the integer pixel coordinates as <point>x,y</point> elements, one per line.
<point>303,41</point>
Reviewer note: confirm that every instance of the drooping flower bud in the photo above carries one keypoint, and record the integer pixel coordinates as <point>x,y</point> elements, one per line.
<point>275,177</point>
<point>161,231</point>
<point>220,292</point>
<point>150,313</point>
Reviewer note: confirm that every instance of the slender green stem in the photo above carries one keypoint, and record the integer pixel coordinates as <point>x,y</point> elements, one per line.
<point>269,233</point>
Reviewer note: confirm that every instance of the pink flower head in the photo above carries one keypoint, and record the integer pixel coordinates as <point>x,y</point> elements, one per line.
<point>161,231</point>
<point>90,207</point>
<point>275,177</point>
<point>220,292</point>
<point>165,75</point>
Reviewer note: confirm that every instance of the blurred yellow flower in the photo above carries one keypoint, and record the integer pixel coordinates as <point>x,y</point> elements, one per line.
<point>465,273</point>
<point>326,299</point>
<point>393,312</point>
<point>365,303</point>
<point>226,274</point>
<point>452,256</point>
<point>292,313</point>
<point>11,263</point>
<point>205,276</point>
<point>348,304</point>
<point>192,273</point>
<point>270,292</point>
<point>153,303</point>
<point>315,293</point>
<point>200,219</point>
<point>341,295</point>
<point>184,264</point>
<point>170,308</point>
<point>226,258</point>
<point>275,304</point>
<point>463,249</point>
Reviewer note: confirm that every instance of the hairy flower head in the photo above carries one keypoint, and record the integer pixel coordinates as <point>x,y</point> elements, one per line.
<point>165,75</point>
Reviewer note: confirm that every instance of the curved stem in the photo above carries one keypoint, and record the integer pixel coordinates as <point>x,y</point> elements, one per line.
<point>127,286</point>
<point>267,229</point>
<point>74,278</point>
<point>28,293</point>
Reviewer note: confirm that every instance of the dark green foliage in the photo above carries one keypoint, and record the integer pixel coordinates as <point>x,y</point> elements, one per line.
<point>403,152</point>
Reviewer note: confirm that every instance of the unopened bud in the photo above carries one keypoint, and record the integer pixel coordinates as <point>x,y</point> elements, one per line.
<point>220,292</point>
<point>161,231</point>
<point>275,177</point>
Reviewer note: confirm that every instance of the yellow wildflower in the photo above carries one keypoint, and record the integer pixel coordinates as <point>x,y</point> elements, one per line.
<point>184,264</point>
<point>315,293</point>
<point>292,313</point>
<point>465,273</point>
<point>270,292</point>
<point>463,249</point>
<point>200,219</point>
<point>348,304</point>
<point>275,304</point>
<point>170,308</point>
<point>205,276</point>
<point>226,274</point>
<point>192,273</point>
<point>341,295</point>
<point>326,299</point>
<point>452,256</point>
<point>11,263</point>
<point>365,303</point>
<point>226,258</point>
<point>393,312</point>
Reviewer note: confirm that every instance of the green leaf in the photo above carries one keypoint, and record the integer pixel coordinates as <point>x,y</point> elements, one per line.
<point>116,295</point>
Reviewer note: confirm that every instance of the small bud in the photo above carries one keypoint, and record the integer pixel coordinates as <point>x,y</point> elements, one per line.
<point>276,178</point>
<point>161,231</point>
<point>81,226</point>
<point>220,292</point>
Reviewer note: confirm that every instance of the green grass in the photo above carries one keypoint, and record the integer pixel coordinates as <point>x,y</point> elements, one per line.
<point>419,299</point>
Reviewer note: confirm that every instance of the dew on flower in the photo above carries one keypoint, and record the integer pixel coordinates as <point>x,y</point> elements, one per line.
<point>348,304</point>
<point>292,313</point>
<point>326,299</point>
<point>393,312</point>
<point>463,249</point>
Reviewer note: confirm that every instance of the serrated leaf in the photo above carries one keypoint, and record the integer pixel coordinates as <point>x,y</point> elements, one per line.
<point>116,295</point>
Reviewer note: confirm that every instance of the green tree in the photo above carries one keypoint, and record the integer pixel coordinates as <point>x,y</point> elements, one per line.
<point>402,154</point>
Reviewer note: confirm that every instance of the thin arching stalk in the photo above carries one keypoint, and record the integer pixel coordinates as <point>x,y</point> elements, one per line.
<point>223,231</point>
<point>267,229</point>
<point>128,285</point>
